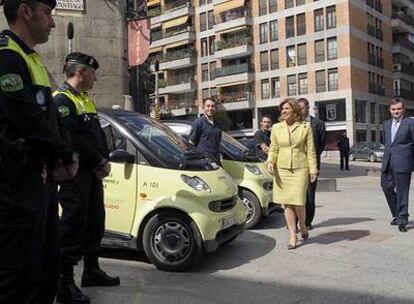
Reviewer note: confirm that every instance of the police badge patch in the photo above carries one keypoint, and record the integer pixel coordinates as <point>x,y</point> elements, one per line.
<point>11,83</point>
<point>64,111</point>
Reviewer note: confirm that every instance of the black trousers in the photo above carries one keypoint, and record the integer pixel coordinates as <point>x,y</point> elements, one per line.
<point>28,240</point>
<point>310,202</point>
<point>344,156</point>
<point>83,220</point>
<point>396,187</point>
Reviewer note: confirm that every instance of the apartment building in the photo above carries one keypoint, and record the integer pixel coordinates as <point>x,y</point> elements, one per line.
<point>250,55</point>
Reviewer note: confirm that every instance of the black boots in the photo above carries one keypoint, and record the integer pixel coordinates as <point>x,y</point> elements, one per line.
<point>69,293</point>
<point>98,277</point>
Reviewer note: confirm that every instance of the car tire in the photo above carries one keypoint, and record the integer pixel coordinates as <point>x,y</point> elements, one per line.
<point>372,158</point>
<point>252,206</point>
<point>172,241</point>
<point>351,157</point>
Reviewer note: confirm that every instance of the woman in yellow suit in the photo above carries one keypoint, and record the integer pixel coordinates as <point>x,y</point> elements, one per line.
<point>292,160</point>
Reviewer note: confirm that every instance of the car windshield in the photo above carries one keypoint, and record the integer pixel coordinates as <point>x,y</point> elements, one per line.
<point>160,140</point>
<point>376,146</point>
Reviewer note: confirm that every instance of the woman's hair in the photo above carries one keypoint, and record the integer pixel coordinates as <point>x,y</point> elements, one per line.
<point>297,111</point>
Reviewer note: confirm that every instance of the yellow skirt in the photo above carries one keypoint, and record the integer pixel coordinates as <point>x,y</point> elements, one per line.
<point>290,186</point>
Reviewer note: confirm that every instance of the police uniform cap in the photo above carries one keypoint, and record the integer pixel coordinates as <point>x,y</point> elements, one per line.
<point>51,3</point>
<point>83,59</point>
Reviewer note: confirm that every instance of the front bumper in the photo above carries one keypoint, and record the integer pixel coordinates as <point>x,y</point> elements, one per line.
<point>223,236</point>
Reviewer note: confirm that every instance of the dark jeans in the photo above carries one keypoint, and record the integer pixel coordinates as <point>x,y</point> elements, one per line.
<point>310,202</point>
<point>83,220</point>
<point>344,156</point>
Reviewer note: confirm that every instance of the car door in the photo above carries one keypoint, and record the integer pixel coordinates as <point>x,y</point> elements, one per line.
<point>120,187</point>
<point>365,151</point>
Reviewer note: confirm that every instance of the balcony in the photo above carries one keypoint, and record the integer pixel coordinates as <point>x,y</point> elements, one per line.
<point>402,22</point>
<point>234,47</point>
<point>404,42</point>
<point>177,85</point>
<point>241,73</point>
<point>236,100</point>
<point>232,19</point>
<point>174,10</point>
<point>160,39</point>
<point>403,68</point>
<point>178,60</point>
<point>404,93</point>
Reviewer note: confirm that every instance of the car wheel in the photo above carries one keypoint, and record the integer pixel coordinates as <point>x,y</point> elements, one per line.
<point>252,206</point>
<point>172,241</point>
<point>372,158</point>
<point>351,157</point>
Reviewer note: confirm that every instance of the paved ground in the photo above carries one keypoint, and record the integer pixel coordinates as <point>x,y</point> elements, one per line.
<point>352,256</point>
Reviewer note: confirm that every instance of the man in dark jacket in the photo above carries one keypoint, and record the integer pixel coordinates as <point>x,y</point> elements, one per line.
<point>343,146</point>
<point>318,131</point>
<point>83,214</point>
<point>262,137</point>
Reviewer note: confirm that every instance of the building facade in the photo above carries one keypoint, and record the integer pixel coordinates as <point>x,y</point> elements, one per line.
<point>250,55</point>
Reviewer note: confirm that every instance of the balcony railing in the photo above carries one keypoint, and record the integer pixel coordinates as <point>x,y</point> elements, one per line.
<point>179,79</point>
<point>232,15</point>
<point>153,12</point>
<point>177,55</point>
<point>234,96</point>
<point>174,5</point>
<point>178,30</point>
<point>376,89</point>
<point>403,68</point>
<point>404,17</point>
<point>372,59</point>
<point>233,69</point>
<point>233,42</point>
<point>404,93</point>
<point>404,42</point>
<point>156,36</point>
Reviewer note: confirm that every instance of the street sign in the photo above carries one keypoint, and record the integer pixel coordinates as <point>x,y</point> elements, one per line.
<point>72,5</point>
<point>138,41</point>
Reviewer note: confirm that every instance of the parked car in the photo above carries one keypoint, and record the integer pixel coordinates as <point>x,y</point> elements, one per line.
<point>372,151</point>
<point>164,197</point>
<point>247,170</point>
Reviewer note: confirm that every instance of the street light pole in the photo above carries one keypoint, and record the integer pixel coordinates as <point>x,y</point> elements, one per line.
<point>157,102</point>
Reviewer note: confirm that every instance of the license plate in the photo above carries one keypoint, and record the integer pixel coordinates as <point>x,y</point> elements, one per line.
<point>228,221</point>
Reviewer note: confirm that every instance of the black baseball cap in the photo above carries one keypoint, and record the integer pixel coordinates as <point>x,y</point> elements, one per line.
<point>77,57</point>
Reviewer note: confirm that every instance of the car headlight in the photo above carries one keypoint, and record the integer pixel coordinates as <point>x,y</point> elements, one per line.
<point>379,153</point>
<point>254,169</point>
<point>196,183</point>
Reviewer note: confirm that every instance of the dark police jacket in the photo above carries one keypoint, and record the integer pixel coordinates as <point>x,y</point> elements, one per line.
<point>29,112</point>
<point>79,115</point>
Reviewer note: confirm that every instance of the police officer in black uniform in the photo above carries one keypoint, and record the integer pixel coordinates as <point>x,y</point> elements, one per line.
<point>81,198</point>
<point>33,155</point>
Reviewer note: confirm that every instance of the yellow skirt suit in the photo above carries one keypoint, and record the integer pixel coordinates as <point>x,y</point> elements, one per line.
<point>293,153</point>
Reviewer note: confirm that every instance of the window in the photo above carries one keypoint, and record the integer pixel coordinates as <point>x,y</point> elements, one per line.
<point>291,79</point>
<point>210,19</point>
<point>332,79</point>
<point>331,17</point>
<point>290,27</point>
<point>213,92</point>
<point>318,20</point>
<point>203,22</point>
<point>332,49</point>
<point>275,87</point>
<point>213,70</point>
<point>303,83</point>
<point>300,25</point>
<point>204,72</point>
<point>264,61</point>
<point>205,94</point>
<point>360,110</point>
<point>262,7</point>
<point>300,2</point>
<point>272,6</point>
<point>263,33</point>
<point>302,54</point>
<point>290,56</point>
<point>265,89</point>
<point>212,44</point>
<point>288,4</point>
<point>320,81</point>
<point>319,50</point>
<point>204,47</point>
<point>273,30</point>
<point>274,59</point>
<point>372,114</point>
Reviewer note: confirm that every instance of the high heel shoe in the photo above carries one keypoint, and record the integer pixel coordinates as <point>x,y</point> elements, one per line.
<point>291,246</point>
<point>305,236</point>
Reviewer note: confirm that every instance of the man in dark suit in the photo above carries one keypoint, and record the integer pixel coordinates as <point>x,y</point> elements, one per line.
<point>397,162</point>
<point>318,131</point>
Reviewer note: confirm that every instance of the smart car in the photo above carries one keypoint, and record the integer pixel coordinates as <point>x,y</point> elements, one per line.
<point>162,196</point>
<point>248,172</point>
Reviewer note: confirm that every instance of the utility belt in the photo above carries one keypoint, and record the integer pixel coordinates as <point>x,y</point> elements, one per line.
<point>13,157</point>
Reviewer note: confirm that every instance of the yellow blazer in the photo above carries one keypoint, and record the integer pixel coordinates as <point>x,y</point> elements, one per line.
<point>295,150</point>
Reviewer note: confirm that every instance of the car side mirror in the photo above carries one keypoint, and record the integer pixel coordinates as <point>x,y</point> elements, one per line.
<point>121,156</point>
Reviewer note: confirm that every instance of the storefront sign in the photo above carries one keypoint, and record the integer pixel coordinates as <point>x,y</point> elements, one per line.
<point>138,41</point>
<point>73,5</point>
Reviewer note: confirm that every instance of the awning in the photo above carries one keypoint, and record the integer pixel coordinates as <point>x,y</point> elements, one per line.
<point>153,2</point>
<point>229,5</point>
<point>232,84</point>
<point>175,22</point>
<point>155,50</point>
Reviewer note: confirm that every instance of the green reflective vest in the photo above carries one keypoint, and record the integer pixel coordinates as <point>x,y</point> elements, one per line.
<point>37,70</point>
<point>83,103</point>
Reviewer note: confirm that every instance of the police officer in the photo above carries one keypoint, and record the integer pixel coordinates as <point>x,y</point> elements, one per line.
<point>81,198</point>
<point>33,156</point>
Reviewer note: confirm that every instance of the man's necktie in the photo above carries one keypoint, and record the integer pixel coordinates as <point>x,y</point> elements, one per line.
<point>393,130</point>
